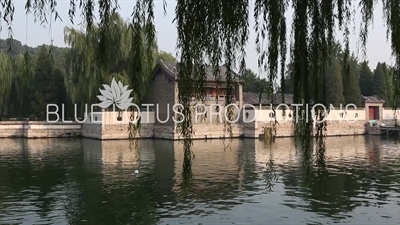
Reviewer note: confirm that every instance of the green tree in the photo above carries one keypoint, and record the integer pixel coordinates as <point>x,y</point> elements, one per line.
<point>16,48</point>
<point>333,84</point>
<point>14,86</point>
<point>251,81</point>
<point>48,86</point>
<point>380,83</point>
<point>366,79</point>
<point>165,56</point>
<point>6,77</point>
<point>351,85</point>
<point>389,84</point>
<point>288,80</point>
<point>91,63</point>
<point>22,86</point>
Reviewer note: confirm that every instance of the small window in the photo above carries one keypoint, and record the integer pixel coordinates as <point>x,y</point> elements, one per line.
<point>356,115</point>
<point>290,115</point>
<point>341,115</point>
<point>247,115</point>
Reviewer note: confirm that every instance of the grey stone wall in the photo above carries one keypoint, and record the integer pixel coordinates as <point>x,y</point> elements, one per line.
<point>36,129</point>
<point>335,128</point>
<point>162,93</point>
<point>115,131</point>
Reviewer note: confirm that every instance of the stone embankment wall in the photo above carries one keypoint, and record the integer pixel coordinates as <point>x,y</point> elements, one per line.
<point>115,131</point>
<point>334,128</point>
<point>39,129</point>
<point>201,131</point>
<point>150,130</point>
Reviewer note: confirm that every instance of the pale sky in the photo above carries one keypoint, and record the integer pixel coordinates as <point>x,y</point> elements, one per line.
<point>34,34</point>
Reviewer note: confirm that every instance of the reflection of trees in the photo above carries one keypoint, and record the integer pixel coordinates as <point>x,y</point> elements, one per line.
<point>324,193</point>
<point>120,200</point>
<point>164,173</point>
<point>339,188</point>
<point>246,165</point>
<point>216,174</point>
<point>69,179</point>
<point>271,176</point>
<point>36,175</point>
<point>73,175</point>
<point>188,157</point>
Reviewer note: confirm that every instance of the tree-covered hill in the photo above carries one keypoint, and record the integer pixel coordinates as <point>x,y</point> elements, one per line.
<point>15,47</point>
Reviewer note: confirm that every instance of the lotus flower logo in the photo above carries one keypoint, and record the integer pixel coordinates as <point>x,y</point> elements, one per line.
<point>117,95</point>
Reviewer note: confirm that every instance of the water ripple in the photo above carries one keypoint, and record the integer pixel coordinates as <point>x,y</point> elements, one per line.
<point>81,181</point>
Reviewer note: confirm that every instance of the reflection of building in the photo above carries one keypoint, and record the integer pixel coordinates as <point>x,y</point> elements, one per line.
<point>116,158</point>
<point>38,148</point>
<point>217,172</point>
<point>283,151</point>
<point>11,146</point>
<point>117,152</point>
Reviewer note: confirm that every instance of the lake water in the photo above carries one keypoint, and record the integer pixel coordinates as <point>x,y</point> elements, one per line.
<point>83,181</point>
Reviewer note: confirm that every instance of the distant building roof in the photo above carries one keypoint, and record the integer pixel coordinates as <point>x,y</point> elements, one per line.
<point>372,99</point>
<point>253,98</point>
<point>171,70</point>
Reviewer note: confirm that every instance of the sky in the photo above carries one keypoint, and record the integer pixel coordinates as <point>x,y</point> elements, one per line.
<point>33,34</point>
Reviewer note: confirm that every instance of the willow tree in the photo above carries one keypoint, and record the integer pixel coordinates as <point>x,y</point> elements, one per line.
<point>15,79</point>
<point>96,57</point>
<point>216,32</point>
<point>6,77</point>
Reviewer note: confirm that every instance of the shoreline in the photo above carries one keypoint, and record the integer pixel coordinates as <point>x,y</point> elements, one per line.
<point>43,129</point>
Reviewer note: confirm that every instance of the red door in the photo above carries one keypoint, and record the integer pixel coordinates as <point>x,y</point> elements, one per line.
<point>371,113</point>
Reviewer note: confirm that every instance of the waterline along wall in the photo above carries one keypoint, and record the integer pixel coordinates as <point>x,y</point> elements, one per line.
<point>39,129</point>
<point>252,123</point>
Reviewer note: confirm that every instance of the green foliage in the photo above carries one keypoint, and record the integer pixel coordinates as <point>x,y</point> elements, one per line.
<point>389,84</point>
<point>17,48</point>
<point>85,73</point>
<point>48,86</point>
<point>288,80</point>
<point>351,86</point>
<point>366,79</point>
<point>333,84</point>
<point>380,83</point>
<point>252,83</point>
<point>164,56</point>
<point>23,85</point>
<point>6,77</point>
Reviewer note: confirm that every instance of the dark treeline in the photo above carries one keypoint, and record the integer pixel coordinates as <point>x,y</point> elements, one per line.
<point>63,76</point>
<point>26,92</point>
<point>361,80</point>
<point>339,89</point>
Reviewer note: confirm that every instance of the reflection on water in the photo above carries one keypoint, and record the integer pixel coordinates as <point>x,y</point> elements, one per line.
<point>83,181</point>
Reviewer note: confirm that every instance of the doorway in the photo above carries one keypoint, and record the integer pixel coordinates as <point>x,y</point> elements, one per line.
<point>373,113</point>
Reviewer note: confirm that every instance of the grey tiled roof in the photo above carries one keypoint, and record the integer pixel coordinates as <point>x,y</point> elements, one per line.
<point>372,99</point>
<point>253,98</point>
<point>172,69</point>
